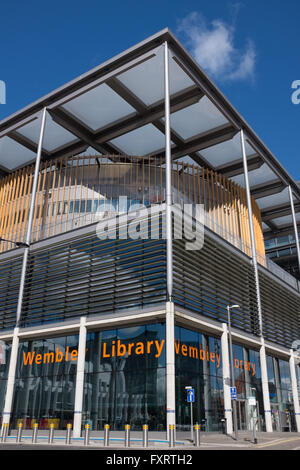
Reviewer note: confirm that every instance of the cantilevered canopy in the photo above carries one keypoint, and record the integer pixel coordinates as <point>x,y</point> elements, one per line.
<point>118,108</point>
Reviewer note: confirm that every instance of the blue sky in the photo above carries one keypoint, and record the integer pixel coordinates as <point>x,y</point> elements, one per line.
<point>250,49</point>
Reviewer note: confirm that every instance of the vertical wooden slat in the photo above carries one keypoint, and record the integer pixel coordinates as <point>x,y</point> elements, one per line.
<point>10,210</point>
<point>28,198</point>
<point>233,212</point>
<point>75,192</point>
<point>57,201</point>
<point>42,202</point>
<point>45,209</point>
<point>243,218</point>
<point>213,197</point>
<point>2,201</point>
<point>222,207</point>
<point>218,204</point>
<point>208,198</point>
<point>86,185</point>
<point>199,186</point>
<point>6,208</point>
<point>62,207</point>
<point>37,202</point>
<point>194,185</point>
<point>52,196</point>
<point>22,210</point>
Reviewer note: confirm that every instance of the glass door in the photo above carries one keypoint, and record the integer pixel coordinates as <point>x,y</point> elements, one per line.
<point>275,417</point>
<point>241,415</point>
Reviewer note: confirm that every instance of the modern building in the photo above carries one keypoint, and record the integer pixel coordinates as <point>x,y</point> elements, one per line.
<point>135,203</point>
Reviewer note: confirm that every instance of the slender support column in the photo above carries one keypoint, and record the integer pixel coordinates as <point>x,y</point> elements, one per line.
<point>295,390</point>
<point>226,380</point>
<point>15,343</point>
<point>11,379</point>
<point>169,238</point>
<point>251,227</point>
<point>170,322</point>
<point>170,365</point>
<point>30,217</point>
<point>79,379</point>
<point>264,373</point>
<point>265,387</point>
<point>295,225</point>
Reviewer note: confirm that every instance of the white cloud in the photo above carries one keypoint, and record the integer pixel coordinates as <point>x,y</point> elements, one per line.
<point>213,47</point>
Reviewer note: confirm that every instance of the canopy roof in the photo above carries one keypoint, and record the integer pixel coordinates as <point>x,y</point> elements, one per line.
<point>118,108</point>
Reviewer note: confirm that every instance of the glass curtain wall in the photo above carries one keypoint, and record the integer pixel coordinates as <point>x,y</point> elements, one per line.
<point>125,378</point>
<point>5,349</point>
<point>281,397</point>
<point>198,364</point>
<point>45,383</point>
<point>247,375</point>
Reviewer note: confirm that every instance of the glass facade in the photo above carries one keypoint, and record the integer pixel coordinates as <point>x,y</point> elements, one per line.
<point>281,396</point>
<point>198,364</point>
<point>247,374</point>
<point>5,349</point>
<point>45,382</point>
<point>125,381</point>
<point>125,378</point>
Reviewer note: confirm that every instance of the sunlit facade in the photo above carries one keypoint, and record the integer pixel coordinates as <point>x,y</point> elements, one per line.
<point>104,317</point>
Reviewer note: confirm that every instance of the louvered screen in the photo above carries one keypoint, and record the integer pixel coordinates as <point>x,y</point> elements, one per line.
<point>281,312</point>
<point>10,270</point>
<point>208,280</point>
<point>92,276</point>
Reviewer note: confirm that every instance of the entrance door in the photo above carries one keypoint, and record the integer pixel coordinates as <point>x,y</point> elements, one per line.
<point>241,409</point>
<point>275,417</point>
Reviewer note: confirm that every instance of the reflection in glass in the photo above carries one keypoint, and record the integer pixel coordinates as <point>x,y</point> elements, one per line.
<point>45,382</point>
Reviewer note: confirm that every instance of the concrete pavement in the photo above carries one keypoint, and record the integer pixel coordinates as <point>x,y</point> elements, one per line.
<point>157,441</point>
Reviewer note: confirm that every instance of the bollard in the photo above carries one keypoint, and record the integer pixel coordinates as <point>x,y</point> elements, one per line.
<point>127,435</point>
<point>106,435</point>
<point>86,434</point>
<point>197,435</point>
<point>4,432</point>
<point>19,435</point>
<point>35,432</point>
<point>145,435</point>
<point>68,434</point>
<point>51,433</point>
<point>171,435</point>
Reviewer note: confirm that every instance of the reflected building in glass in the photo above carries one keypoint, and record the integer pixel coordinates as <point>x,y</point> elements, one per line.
<point>135,207</point>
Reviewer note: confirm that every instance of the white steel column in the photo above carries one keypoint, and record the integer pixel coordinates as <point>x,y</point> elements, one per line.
<point>79,379</point>
<point>15,343</point>
<point>168,182</point>
<point>252,237</point>
<point>30,216</point>
<point>11,378</point>
<point>226,379</point>
<point>170,366</point>
<point>264,372</point>
<point>170,321</point>
<point>295,390</point>
<point>295,225</point>
<point>265,387</point>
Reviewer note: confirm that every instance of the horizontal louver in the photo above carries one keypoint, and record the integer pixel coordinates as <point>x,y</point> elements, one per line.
<point>9,289</point>
<point>208,280</point>
<point>281,312</point>
<point>92,276</point>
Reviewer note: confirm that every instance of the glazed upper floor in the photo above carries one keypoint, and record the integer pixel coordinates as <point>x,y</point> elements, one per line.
<point>119,108</point>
